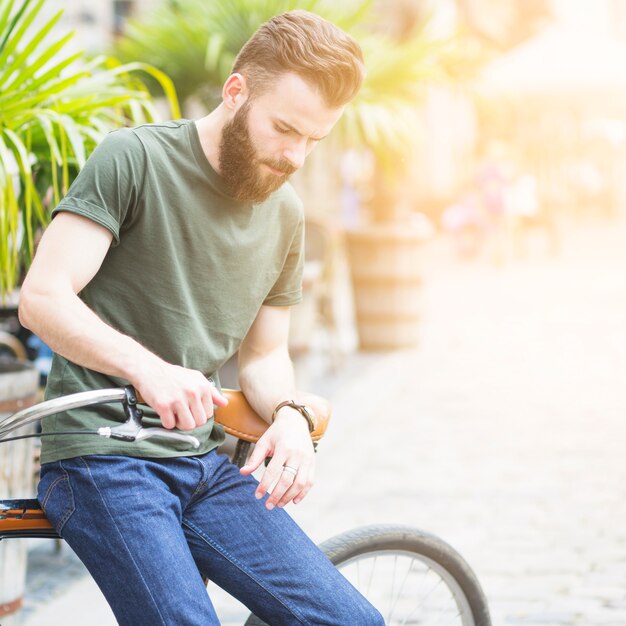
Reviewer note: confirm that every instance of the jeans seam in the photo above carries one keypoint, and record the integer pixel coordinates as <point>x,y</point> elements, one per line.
<point>198,489</point>
<point>51,489</point>
<point>65,477</point>
<point>202,483</point>
<point>121,534</point>
<point>240,566</point>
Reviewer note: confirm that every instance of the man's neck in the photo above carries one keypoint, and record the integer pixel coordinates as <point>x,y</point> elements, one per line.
<point>210,133</point>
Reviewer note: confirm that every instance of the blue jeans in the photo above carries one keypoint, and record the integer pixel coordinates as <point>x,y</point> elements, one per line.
<point>148,529</point>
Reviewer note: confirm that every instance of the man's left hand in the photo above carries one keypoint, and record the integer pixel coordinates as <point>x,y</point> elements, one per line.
<point>288,442</point>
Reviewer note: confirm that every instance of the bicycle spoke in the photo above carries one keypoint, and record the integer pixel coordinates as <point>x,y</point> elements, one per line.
<point>369,584</point>
<point>423,581</point>
<point>443,611</point>
<point>410,588</point>
<point>393,585</point>
<point>433,602</point>
<point>397,599</point>
<point>421,603</point>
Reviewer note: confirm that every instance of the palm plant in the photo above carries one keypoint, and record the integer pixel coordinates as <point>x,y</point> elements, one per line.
<point>55,106</point>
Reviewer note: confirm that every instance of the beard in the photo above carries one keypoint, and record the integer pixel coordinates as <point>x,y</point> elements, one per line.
<point>241,165</point>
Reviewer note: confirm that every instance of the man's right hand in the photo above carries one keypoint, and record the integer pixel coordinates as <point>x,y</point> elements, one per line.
<point>183,398</point>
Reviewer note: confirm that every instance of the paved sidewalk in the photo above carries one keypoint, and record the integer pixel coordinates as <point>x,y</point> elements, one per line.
<point>504,433</point>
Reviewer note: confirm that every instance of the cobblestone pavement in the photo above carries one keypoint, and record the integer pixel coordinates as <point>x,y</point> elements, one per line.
<point>504,434</point>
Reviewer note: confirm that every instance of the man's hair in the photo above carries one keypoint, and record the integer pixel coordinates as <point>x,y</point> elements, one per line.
<point>303,43</point>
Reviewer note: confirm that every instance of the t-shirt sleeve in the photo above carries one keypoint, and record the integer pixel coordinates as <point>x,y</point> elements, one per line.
<point>107,188</point>
<point>287,290</point>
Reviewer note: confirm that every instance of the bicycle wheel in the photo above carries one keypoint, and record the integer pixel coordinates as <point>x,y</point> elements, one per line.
<point>412,577</point>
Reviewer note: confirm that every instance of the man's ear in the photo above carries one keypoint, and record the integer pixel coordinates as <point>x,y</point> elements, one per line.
<point>235,91</point>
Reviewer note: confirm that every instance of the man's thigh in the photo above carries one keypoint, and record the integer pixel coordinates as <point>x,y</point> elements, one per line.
<point>122,517</point>
<point>263,558</point>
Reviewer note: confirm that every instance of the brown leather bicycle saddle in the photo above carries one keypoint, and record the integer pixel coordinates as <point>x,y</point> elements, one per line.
<point>240,420</point>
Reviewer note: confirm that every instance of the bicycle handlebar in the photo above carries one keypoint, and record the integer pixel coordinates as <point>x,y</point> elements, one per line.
<point>56,405</point>
<point>238,418</point>
<point>130,430</point>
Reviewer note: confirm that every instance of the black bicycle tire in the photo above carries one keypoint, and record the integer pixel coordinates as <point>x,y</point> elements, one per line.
<point>376,537</point>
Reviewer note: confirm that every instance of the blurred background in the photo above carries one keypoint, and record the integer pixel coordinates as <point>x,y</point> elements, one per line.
<point>464,287</point>
<point>492,125</point>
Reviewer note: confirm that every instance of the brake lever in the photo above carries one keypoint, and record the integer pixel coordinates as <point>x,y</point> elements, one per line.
<point>141,434</point>
<point>133,430</point>
<point>162,433</point>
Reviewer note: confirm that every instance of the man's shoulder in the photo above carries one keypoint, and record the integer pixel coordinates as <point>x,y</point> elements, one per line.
<point>156,128</point>
<point>163,139</point>
<point>147,141</point>
<point>120,140</point>
<point>144,134</point>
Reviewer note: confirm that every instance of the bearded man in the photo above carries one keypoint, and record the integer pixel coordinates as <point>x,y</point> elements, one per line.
<point>177,245</point>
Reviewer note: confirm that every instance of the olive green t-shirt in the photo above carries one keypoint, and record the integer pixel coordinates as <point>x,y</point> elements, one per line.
<point>186,274</point>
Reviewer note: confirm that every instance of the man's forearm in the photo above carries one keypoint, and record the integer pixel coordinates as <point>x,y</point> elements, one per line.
<point>267,380</point>
<point>75,332</point>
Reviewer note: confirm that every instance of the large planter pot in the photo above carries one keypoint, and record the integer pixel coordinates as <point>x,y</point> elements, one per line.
<point>19,383</point>
<point>386,278</point>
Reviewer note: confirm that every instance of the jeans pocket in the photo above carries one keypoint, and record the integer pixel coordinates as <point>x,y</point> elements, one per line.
<point>55,495</point>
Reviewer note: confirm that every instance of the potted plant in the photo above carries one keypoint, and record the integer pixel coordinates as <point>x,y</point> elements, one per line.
<point>384,245</point>
<point>55,106</point>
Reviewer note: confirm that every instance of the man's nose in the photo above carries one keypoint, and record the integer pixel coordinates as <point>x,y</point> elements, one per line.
<point>296,153</point>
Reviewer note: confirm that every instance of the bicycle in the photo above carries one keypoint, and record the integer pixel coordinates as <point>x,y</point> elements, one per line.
<point>411,576</point>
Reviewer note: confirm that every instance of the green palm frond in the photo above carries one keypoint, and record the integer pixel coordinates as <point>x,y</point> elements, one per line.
<point>195,42</point>
<point>54,109</point>
<point>382,116</point>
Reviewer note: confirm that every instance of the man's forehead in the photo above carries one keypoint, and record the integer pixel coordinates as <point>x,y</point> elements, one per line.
<point>299,105</point>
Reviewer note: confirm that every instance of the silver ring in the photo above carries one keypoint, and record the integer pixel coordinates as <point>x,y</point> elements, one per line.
<point>291,470</point>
